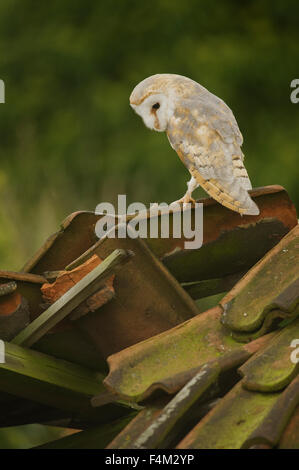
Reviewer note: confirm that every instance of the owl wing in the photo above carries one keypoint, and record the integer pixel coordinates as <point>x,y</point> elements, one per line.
<point>205,135</point>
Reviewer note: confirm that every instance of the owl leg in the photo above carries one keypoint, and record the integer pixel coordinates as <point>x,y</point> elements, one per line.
<point>191,185</point>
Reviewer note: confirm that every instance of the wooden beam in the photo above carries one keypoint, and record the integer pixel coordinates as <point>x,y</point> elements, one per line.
<point>47,380</point>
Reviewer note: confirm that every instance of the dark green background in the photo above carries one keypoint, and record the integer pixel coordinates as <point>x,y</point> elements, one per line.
<point>68,138</point>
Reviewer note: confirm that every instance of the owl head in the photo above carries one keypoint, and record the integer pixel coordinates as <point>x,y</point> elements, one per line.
<point>156,97</point>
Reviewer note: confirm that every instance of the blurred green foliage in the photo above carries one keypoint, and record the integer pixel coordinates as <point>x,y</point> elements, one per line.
<point>25,437</point>
<point>68,138</point>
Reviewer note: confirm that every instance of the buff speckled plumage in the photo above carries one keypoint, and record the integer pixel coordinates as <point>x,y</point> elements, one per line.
<point>203,131</point>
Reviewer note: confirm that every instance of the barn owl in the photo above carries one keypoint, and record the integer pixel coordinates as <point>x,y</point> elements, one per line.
<point>203,131</point>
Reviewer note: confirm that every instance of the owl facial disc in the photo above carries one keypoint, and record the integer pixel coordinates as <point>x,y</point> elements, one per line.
<point>155,111</point>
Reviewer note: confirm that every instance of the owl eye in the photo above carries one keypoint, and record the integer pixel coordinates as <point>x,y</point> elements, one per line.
<point>156,106</point>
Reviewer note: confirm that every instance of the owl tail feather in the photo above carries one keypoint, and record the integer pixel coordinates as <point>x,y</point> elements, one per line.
<point>253,210</point>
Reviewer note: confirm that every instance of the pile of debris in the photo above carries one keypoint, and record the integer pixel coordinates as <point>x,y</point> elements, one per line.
<point>105,336</point>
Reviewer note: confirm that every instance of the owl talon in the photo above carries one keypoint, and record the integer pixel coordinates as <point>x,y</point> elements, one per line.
<point>184,200</point>
<point>189,199</point>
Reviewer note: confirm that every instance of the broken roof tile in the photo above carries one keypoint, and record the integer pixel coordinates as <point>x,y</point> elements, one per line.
<point>271,368</point>
<point>290,437</point>
<point>28,285</point>
<point>229,424</point>
<point>160,432</point>
<point>166,361</point>
<point>67,279</point>
<point>257,294</point>
<point>126,438</point>
<point>86,287</point>
<point>14,314</point>
<point>271,428</point>
<point>231,243</point>
<point>148,300</point>
<point>194,358</point>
